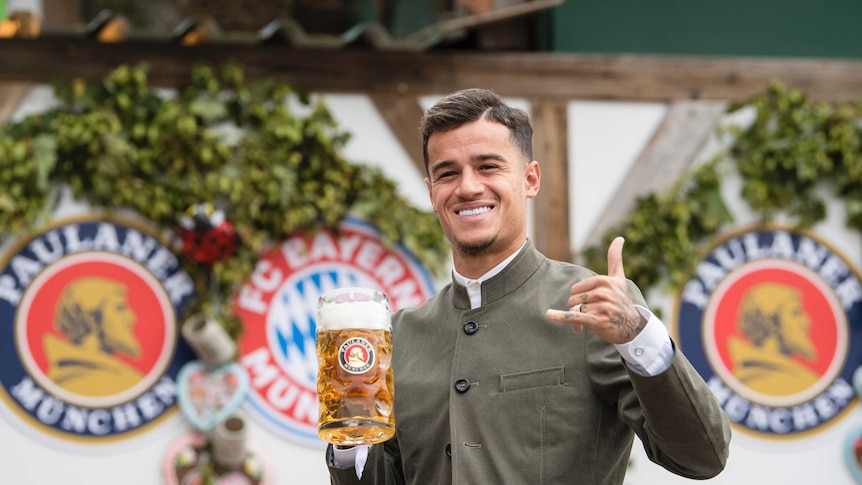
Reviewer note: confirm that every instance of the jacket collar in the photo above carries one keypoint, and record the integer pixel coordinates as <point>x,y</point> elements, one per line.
<point>511,277</point>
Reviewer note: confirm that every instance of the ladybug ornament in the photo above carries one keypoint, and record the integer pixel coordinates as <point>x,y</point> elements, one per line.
<point>206,235</point>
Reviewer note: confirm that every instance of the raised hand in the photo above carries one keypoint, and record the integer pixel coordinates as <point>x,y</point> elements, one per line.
<point>602,303</point>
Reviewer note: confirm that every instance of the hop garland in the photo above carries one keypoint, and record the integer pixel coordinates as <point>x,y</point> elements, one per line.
<point>793,145</point>
<point>265,154</point>
<point>120,143</point>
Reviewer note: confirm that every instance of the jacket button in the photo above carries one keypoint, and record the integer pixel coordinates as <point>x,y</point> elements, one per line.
<point>462,385</point>
<point>471,327</point>
<point>449,450</point>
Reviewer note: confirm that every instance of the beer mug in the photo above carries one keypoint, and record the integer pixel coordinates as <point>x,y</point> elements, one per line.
<point>354,378</point>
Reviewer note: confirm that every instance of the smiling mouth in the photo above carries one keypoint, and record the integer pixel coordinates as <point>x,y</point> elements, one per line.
<point>474,212</point>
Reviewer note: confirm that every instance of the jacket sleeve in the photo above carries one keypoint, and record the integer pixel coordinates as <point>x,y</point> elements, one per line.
<point>674,413</point>
<point>383,467</point>
<point>684,428</point>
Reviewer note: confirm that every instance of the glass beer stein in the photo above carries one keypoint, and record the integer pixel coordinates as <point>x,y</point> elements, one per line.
<point>354,378</point>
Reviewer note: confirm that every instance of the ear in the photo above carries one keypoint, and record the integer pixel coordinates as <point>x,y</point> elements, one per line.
<point>532,178</point>
<point>430,194</point>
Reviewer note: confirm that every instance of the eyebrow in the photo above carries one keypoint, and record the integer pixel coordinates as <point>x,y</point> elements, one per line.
<point>475,159</point>
<point>441,166</point>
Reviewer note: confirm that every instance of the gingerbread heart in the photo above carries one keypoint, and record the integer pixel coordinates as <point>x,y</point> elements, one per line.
<point>207,397</point>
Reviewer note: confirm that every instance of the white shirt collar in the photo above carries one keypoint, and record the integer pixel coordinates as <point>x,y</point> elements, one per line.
<point>474,287</point>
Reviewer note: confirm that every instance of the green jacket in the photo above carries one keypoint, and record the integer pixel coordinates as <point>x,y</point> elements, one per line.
<point>502,395</point>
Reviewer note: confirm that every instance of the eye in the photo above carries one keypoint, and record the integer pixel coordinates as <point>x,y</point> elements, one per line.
<point>446,174</point>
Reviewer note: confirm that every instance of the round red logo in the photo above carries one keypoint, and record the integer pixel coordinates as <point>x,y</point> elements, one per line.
<point>356,355</point>
<point>91,352</point>
<point>771,321</point>
<point>774,334</point>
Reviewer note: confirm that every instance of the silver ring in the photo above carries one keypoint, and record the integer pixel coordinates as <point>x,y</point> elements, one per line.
<point>580,308</point>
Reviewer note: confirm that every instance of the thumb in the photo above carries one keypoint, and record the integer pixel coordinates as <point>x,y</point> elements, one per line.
<point>615,257</point>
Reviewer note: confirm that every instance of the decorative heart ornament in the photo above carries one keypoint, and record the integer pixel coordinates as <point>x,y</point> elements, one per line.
<point>853,454</point>
<point>207,397</point>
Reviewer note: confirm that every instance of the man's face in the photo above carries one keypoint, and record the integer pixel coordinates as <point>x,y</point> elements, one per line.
<point>479,183</point>
<point>118,323</point>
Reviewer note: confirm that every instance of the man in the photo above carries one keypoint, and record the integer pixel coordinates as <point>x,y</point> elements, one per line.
<point>492,386</point>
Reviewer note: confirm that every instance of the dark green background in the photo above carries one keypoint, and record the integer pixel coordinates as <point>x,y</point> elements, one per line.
<point>788,28</point>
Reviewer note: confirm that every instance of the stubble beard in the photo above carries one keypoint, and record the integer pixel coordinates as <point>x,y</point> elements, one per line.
<point>475,249</point>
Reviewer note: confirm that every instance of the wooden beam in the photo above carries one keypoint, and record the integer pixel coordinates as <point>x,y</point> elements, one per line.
<point>11,96</point>
<point>524,74</point>
<point>670,153</point>
<point>61,13</point>
<point>551,206</point>
<point>402,114</point>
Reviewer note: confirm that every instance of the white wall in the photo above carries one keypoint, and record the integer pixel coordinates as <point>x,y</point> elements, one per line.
<point>604,139</point>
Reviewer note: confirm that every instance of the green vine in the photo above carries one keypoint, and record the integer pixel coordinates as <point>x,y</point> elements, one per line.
<point>120,143</point>
<point>793,147</point>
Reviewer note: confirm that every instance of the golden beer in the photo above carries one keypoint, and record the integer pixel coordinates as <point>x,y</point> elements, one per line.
<point>354,380</point>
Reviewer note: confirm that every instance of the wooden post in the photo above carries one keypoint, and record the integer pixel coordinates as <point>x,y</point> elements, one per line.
<point>551,206</point>
<point>402,114</point>
<point>11,95</point>
<point>61,13</point>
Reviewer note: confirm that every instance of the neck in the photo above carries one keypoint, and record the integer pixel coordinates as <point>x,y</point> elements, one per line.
<point>473,266</point>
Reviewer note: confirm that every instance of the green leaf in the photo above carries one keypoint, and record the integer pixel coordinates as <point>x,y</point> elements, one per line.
<point>210,109</point>
<point>44,160</point>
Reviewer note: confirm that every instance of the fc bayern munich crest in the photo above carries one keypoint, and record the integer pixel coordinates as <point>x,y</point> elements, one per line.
<point>278,307</point>
<point>772,319</point>
<point>89,348</point>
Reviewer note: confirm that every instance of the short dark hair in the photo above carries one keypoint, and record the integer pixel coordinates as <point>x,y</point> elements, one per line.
<point>468,105</point>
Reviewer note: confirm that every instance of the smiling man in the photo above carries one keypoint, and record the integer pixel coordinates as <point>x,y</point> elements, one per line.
<point>526,370</point>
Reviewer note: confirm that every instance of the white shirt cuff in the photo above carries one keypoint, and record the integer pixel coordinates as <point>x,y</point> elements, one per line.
<point>350,457</point>
<point>343,457</point>
<point>651,352</point>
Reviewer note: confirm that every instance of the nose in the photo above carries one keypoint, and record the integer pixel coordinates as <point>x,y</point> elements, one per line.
<point>470,184</point>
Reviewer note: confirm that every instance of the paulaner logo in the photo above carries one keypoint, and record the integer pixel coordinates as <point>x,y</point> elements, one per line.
<point>772,319</point>
<point>89,348</point>
<point>356,355</point>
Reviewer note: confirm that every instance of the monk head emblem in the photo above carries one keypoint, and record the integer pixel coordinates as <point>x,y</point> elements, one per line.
<point>94,315</point>
<point>96,309</point>
<point>356,358</point>
<point>769,356</point>
<point>772,317</point>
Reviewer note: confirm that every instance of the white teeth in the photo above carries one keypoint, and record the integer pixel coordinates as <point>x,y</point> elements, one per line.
<point>473,212</point>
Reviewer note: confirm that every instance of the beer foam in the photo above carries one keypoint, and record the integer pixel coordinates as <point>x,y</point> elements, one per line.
<point>361,314</point>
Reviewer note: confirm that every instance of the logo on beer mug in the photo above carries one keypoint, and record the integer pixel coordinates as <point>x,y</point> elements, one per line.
<point>356,356</point>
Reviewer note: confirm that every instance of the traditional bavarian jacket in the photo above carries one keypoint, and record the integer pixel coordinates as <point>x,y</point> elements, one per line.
<point>500,394</point>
